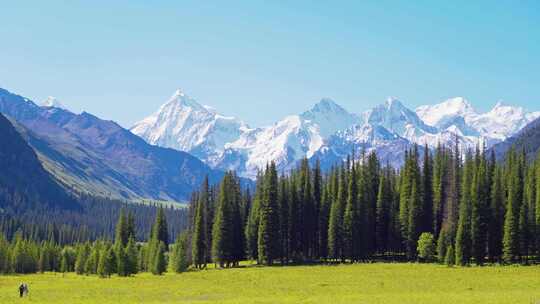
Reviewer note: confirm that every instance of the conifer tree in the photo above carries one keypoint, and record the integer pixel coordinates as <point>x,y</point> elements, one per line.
<point>106,262</point>
<point>351,220</point>
<point>511,220</point>
<point>335,225</point>
<point>223,231</point>
<point>463,234</point>
<point>384,202</point>
<point>179,260</point>
<point>198,238</point>
<point>427,192</point>
<point>495,231</point>
<point>132,255</point>
<point>252,226</point>
<point>449,259</point>
<point>268,240</point>
<point>83,253</point>
<point>160,230</point>
<point>159,265</point>
<point>479,210</point>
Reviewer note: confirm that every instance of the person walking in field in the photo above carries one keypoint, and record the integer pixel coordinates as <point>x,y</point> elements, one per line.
<point>21,290</point>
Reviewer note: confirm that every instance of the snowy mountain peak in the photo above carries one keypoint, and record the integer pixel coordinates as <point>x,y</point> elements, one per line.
<point>440,114</point>
<point>326,105</point>
<point>326,130</point>
<point>52,102</point>
<point>180,100</point>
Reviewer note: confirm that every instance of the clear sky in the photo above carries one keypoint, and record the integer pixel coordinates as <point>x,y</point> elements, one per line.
<point>262,60</point>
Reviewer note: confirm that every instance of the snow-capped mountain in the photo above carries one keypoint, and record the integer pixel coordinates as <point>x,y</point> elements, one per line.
<point>457,116</point>
<point>52,102</point>
<point>183,124</point>
<point>326,132</point>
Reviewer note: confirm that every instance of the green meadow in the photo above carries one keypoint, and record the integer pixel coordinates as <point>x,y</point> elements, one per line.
<point>359,283</point>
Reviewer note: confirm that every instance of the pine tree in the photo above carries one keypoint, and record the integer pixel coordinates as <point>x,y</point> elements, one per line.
<point>335,226</point>
<point>463,234</point>
<point>283,198</point>
<point>179,261</point>
<point>132,255</point>
<point>159,265</point>
<point>414,221</point>
<point>106,262</point>
<point>64,263</point>
<point>351,220</point>
<point>122,267</point>
<point>479,211</point>
<point>83,253</point>
<point>122,233</point>
<point>268,240</point>
<point>495,231</point>
<point>324,214</point>
<point>449,259</point>
<point>160,230</point>
<point>252,226</point>
<point>427,192</point>
<point>198,238</point>
<point>384,203</point>
<point>511,220</point>
<point>222,231</point>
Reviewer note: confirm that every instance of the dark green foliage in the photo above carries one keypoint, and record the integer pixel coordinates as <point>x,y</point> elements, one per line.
<point>335,225</point>
<point>511,252</point>
<point>463,235</point>
<point>199,235</point>
<point>268,240</point>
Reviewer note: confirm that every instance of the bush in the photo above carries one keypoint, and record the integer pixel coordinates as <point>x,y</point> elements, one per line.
<point>426,247</point>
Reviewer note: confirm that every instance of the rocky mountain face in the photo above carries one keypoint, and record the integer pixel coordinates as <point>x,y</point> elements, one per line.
<point>326,132</point>
<point>88,154</point>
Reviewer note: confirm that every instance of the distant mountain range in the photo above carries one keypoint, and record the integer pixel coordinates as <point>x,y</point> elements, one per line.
<point>90,155</point>
<point>526,140</point>
<point>326,132</point>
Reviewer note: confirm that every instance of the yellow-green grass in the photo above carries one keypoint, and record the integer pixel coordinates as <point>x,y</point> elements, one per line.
<point>362,283</point>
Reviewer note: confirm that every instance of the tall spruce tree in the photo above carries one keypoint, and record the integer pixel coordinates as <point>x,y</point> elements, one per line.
<point>463,234</point>
<point>268,240</point>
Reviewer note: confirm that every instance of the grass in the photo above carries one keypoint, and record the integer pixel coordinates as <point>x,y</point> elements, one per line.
<point>362,283</point>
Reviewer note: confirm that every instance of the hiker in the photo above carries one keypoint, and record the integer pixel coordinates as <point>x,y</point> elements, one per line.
<point>21,290</point>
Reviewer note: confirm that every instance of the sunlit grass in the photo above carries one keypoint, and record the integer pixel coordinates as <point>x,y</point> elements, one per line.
<point>362,283</point>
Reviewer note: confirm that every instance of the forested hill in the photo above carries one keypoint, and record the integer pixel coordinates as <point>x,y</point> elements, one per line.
<point>528,140</point>
<point>34,203</point>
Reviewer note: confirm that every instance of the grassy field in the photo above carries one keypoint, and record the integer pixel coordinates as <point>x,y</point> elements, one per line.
<point>364,283</point>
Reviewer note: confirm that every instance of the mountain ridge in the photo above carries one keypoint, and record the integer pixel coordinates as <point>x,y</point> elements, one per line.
<point>387,128</point>
<point>88,154</point>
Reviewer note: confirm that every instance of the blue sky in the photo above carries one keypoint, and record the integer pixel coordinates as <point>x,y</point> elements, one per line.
<point>262,60</point>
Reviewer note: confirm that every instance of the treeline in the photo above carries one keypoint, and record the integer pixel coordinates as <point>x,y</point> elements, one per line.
<point>125,256</point>
<point>446,206</point>
<point>92,219</point>
<point>463,207</point>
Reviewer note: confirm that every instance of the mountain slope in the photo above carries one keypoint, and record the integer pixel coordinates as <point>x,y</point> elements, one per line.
<point>528,140</point>
<point>24,183</point>
<point>97,156</point>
